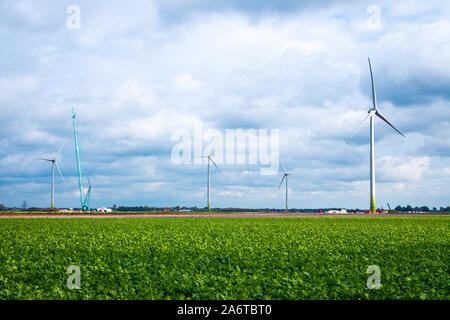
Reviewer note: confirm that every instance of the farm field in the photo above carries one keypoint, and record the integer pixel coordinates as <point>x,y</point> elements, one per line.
<point>225,258</point>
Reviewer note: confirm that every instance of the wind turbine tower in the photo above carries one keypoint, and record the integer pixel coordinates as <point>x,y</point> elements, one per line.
<point>285,177</point>
<point>210,160</point>
<point>54,164</point>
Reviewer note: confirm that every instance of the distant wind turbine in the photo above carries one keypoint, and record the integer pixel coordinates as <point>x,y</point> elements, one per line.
<point>208,187</point>
<point>54,164</point>
<point>374,112</point>
<point>285,176</point>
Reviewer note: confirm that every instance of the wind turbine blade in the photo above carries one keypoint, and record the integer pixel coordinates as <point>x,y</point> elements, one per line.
<point>365,119</point>
<point>284,176</point>
<point>374,95</point>
<point>217,167</point>
<point>60,173</point>
<point>43,159</point>
<point>387,121</point>
<point>59,151</point>
<point>284,169</point>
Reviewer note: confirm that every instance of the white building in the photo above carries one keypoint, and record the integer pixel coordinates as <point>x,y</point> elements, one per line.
<point>342,211</point>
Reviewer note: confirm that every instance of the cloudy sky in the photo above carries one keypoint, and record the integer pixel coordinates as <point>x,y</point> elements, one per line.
<point>137,71</point>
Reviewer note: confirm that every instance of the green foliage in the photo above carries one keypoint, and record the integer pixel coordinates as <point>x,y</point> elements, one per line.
<point>225,258</point>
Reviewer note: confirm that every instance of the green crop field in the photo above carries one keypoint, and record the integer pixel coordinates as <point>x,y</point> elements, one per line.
<point>225,258</point>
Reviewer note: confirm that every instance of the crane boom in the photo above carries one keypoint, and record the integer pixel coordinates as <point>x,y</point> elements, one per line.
<point>84,199</point>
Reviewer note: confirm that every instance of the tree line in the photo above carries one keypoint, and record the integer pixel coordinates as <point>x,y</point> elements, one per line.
<point>409,208</point>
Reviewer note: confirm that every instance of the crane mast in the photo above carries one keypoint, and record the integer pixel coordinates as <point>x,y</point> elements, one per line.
<point>84,198</point>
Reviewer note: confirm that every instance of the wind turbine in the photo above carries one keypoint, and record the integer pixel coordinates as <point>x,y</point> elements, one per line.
<point>54,164</point>
<point>210,160</point>
<point>372,113</point>
<point>285,176</point>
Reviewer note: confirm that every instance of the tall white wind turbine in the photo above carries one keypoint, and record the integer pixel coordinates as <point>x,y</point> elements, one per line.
<point>210,160</point>
<point>285,176</point>
<point>374,112</point>
<point>54,164</point>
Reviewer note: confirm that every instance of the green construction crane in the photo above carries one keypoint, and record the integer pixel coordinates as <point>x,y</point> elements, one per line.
<point>83,196</point>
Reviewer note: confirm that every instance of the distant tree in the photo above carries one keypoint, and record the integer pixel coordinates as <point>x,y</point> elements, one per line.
<point>435,209</point>
<point>2,207</point>
<point>424,209</point>
<point>398,208</point>
<point>409,208</point>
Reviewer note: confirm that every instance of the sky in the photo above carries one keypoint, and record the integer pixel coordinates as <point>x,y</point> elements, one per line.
<point>137,72</point>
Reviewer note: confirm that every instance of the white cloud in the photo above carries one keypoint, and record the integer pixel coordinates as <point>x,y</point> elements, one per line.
<point>403,169</point>
<point>14,87</point>
<point>29,10</point>
<point>185,82</point>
